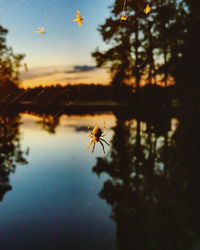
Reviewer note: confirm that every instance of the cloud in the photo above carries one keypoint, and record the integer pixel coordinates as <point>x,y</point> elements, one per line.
<point>33,75</point>
<point>78,128</point>
<point>41,72</point>
<point>52,70</point>
<point>81,68</point>
<point>49,75</point>
<point>74,78</point>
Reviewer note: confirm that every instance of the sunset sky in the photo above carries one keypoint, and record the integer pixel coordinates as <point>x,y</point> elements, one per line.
<point>63,54</point>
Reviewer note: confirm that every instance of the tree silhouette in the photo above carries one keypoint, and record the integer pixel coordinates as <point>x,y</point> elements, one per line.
<point>9,65</point>
<point>125,55</point>
<point>149,48</point>
<point>189,77</point>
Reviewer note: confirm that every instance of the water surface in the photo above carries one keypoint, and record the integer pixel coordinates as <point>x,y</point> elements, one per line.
<point>54,200</point>
<point>143,195</point>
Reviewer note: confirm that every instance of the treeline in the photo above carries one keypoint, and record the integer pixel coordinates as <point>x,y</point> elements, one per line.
<point>156,48</point>
<point>70,94</point>
<point>62,95</point>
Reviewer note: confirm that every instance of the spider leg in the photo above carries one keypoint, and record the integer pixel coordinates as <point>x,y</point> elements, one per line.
<point>104,127</point>
<point>93,147</point>
<point>90,130</point>
<point>90,136</point>
<point>105,141</point>
<point>103,148</point>
<point>103,135</point>
<point>88,145</point>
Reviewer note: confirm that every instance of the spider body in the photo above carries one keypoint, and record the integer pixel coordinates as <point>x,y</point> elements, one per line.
<point>96,134</point>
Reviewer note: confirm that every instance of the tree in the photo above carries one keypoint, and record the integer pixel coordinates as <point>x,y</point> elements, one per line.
<point>9,63</point>
<point>145,46</point>
<point>126,54</point>
<point>187,71</point>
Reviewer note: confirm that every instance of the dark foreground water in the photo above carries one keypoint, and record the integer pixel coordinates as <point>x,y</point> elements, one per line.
<point>143,195</point>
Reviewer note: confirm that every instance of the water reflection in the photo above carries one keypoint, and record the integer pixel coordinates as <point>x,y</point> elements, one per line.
<point>56,197</point>
<point>49,122</point>
<point>153,182</point>
<point>10,150</point>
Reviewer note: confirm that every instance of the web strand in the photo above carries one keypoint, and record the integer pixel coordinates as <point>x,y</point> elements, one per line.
<point>120,24</point>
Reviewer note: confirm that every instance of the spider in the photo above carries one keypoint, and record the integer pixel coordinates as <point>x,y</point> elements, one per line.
<point>96,134</point>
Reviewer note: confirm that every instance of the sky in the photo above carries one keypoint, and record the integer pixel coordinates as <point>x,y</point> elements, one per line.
<point>63,54</point>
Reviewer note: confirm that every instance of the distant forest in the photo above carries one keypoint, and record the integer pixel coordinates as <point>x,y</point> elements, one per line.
<point>70,94</point>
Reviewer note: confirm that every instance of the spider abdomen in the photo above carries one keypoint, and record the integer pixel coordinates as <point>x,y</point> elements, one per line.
<point>97,131</point>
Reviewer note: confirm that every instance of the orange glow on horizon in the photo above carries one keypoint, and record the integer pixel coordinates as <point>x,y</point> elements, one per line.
<point>98,76</point>
<point>155,81</point>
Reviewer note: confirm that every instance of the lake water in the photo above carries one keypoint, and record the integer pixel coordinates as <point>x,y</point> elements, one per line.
<point>56,196</point>
<point>54,202</point>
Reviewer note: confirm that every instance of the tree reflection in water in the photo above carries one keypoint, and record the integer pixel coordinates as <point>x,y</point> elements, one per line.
<point>49,122</point>
<point>153,184</point>
<point>10,150</point>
